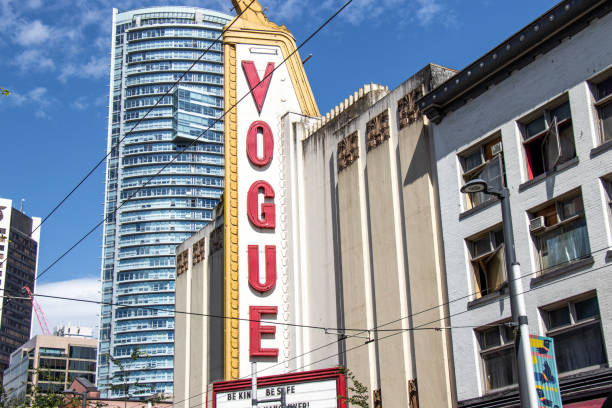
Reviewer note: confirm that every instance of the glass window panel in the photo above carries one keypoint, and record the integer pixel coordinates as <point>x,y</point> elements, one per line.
<point>51,363</point>
<point>586,309</point>
<point>571,207</point>
<point>564,244</point>
<point>535,126</point>
<point>490,338</point>
<point>507,333</point>
<point>604,88</point>
<point>605,115</point>
<point>473,160</point>
<point>498,237</point>
<point>559,317</point>
<point>561,112</point>
<point>500,368</point>
<point>482,246</point>
<point>579,348</point>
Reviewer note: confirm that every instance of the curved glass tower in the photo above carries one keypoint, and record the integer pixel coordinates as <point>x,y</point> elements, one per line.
<point>151,49</point>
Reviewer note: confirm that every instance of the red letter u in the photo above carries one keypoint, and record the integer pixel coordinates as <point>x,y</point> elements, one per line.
<point>254,268</point>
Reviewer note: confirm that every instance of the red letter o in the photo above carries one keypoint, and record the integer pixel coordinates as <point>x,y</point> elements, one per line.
<point>268,143</point>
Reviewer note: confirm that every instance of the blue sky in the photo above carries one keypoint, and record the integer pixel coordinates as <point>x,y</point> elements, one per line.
<point>55,61</point>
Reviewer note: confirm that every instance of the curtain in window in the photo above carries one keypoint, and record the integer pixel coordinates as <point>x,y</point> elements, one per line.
<point>579,348</point>
<point>500,368</point>
<point>565,244</point>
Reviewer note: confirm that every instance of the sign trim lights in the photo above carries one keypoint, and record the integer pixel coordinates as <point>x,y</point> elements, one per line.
<point>253,28</point>
<point>238,392</point>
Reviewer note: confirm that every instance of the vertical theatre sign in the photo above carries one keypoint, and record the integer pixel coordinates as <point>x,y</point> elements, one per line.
<point>261,85</point>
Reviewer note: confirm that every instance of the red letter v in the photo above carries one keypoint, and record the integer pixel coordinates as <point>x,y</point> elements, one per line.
<point>258,90</point>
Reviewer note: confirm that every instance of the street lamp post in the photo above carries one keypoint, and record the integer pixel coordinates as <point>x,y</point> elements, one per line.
<point>527,388</point>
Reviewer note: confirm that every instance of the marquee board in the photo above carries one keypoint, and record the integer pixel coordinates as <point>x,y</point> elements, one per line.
<point>308,389</point>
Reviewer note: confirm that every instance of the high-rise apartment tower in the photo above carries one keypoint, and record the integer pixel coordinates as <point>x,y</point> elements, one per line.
<point>18,263</point>
<point>151,49</point>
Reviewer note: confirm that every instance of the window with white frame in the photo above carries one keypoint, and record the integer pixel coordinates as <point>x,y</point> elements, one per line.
<point>559,231</point>
<point>474,165</point>
<point>498,356</point>
<point>548,139</point>
<point>488,261</point>
<point>603,103</point>
<point>575,326</point>
<point>607,185</point>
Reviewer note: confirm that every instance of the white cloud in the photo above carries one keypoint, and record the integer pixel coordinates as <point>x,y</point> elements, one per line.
<point>33,60</point>
<point>86,102</point>
<point>33,4</point>
<point>59,312</point>
<point>38,99</point>
<point>33,33</point>
<point>97,67</point>
<point>427,11</point>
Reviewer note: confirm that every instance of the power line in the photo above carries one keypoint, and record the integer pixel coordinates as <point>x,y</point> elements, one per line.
<point>395,334</point>
<point>113,147</point>
<point>340,330</point>
<point>304,42</point>
<point>417,328</point>
<point>343,336</point>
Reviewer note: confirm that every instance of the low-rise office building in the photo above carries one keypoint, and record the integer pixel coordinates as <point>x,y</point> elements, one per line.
<point>538,106</point>
<point>49,364</point>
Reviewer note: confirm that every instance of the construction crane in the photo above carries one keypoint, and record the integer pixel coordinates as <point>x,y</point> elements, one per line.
<point>42,322</point>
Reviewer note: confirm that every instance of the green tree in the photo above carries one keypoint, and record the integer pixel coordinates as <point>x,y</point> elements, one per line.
<point>119,380</point>
<point>4,91</point>
<point>357,392</point>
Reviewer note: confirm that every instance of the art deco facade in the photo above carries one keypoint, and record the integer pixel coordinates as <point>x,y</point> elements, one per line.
<point>352,194</point>
<point>151,49</point>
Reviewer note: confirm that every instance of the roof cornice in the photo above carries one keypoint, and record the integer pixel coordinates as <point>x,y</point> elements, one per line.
<point>540,36</point>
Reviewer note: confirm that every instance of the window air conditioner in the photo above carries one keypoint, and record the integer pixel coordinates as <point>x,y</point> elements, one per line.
<point>537,224</point>
<point>496,148</point>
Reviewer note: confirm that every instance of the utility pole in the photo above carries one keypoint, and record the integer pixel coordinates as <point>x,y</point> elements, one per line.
<point>254,401</point>
<point>527,387</point>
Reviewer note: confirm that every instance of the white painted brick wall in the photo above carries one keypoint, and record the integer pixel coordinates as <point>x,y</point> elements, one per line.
<point>563,69</point>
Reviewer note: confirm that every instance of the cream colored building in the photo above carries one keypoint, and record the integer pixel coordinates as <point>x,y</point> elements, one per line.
<point>358,276</point>
<point>49,363</point>
<point>369,230</point>
<point>198,358</point>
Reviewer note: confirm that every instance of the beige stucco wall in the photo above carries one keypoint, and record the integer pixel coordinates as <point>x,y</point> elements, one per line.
<point>193,354</point>
<point>387,252</point>
<point>385,285</point>
<point>426,283</point>
<point>364,255</point>
<point>354,289</point>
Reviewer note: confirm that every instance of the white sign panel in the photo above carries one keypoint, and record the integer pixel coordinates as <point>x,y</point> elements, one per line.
<point>264,293</point>
<point>313,394</point>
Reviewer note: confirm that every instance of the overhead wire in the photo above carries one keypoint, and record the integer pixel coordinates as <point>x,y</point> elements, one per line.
<point>395,334</point>
<point>291,54</point>
<point>116,145</point>
<point>346,336</point>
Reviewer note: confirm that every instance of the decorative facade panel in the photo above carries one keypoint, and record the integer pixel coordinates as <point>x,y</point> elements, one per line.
<point>348,151</point>
<point>377,130</point>
<point>407,110</point>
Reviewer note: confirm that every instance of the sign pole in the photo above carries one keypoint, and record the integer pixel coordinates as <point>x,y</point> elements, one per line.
<point>254,385</point>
